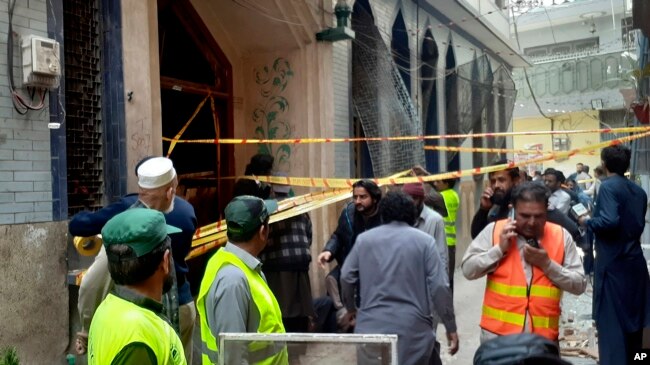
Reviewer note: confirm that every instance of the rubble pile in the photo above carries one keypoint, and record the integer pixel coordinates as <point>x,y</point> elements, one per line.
<point>578,336</point>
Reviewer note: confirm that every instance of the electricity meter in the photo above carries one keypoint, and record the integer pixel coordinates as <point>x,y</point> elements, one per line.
<point>41,62</point>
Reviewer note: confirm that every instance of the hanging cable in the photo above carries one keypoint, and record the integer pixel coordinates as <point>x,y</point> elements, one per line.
<point>21,105</point>
<point>530,87</point>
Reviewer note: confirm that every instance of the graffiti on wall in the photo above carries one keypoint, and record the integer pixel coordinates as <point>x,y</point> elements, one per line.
<point>270,114</point>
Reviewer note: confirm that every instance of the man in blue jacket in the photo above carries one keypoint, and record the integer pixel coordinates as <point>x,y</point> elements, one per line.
<point>157,181</point>
<point>359,216</point>
<point>621,281</point>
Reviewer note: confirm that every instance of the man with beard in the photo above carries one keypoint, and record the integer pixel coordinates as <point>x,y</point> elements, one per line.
<point>357,217</point>
<point>528,262</point>
<point>157,182</point>
<point>495,198</point>
<point>129,326</point>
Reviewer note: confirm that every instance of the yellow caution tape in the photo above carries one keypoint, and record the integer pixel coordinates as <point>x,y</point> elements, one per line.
<point>88,246</point>
<point>210,236</point>
<point>492,150</point>
<point>343,183</point>
<point>400,138</point>
<point>203,243</point>
<point>187,124</point>
<point>594,179</point>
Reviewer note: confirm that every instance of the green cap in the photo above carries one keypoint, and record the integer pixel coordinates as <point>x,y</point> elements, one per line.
<point>141,229</point>
<point>245,214</point>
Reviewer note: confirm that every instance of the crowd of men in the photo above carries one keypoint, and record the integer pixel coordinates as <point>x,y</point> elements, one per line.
<point>395,260</point>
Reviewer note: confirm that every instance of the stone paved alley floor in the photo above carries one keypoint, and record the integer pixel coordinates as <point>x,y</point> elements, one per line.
<point>468,298</point>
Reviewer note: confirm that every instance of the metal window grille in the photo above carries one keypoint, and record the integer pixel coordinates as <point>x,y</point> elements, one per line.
<point>83,104</point>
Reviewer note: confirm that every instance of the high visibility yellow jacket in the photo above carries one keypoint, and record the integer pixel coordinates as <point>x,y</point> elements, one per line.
<point>259,352</point>
<point>118,323</point>
<point>508,297</point>
<point>451,203</point>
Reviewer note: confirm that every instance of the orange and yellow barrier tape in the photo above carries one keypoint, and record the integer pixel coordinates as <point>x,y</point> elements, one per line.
<point>493,150</point>
<point>320,182</point>
<point>343,183</point>
<point>187,124</point>
<point>401,138</point>
<point>210,236</point>
<point>213,235</point>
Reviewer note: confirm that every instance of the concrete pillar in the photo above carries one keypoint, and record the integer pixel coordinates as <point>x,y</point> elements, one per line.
<point>142,79</point>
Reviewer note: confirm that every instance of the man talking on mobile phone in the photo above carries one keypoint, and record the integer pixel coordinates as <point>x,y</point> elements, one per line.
<point>528,262</point>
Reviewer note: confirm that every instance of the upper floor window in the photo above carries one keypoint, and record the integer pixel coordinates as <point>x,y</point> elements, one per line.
<point>628,34</point>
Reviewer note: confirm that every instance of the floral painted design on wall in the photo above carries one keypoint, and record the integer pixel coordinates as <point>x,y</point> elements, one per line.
<point>270,114</point>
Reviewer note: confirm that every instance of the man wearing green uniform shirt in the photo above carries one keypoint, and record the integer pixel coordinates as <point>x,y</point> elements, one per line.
<point>452,202</point>
<point>128,326</point>
<point>234,295</point>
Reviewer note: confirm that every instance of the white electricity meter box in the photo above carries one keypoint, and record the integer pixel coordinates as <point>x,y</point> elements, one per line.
<point>41,62</point>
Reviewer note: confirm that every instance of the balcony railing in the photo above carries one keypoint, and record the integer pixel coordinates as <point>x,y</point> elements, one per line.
<point>576,74</point>
<point>626,46</point>
<point>563,56</point>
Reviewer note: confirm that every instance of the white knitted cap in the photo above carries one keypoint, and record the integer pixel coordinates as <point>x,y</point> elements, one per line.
<point>278,188</point>
<point>156,172</point>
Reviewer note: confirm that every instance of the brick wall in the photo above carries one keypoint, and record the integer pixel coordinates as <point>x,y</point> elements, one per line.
<point>25,163</point>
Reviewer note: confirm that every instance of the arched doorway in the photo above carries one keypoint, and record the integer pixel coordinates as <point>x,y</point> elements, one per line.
<point>429,86</point>
<point>400,47</point>
<point>451,96</point>
<point>196,102</point>
<point>362,23</point>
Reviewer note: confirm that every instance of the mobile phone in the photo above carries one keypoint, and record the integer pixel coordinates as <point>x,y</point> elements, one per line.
<point>533,242</point>
<point>579,210</point>
<point>511,214</point>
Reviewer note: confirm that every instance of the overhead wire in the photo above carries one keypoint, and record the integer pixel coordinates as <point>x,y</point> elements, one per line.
<point>530,87</point>
<point>396,56</point>
<point>263,13</point>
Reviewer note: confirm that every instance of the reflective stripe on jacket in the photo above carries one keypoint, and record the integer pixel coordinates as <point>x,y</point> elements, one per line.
<point>451,203</point>
<point>270,316</point>
<point>508,297</point>
<point>118,323</point>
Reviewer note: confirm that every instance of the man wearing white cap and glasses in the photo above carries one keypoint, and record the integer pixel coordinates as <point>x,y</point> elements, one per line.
<point>157,183</point>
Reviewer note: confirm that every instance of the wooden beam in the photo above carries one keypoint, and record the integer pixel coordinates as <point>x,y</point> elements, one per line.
<point>170,83</point>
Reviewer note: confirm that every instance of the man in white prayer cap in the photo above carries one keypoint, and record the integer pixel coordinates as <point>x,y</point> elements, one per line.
<point>157,183</point>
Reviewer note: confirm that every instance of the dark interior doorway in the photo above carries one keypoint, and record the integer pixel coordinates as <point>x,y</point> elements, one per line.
<point>451,95</point>
<point>196,99</point>
<point>430,98</point>
<point>196,85</point>
<point>400,47</point>
<point>362,21</point>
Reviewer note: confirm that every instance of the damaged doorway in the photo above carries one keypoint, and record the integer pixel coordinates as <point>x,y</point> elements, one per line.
<point>196,103</point>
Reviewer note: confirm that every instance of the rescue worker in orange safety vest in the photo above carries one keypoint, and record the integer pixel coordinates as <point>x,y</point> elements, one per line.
<point>528,263</point>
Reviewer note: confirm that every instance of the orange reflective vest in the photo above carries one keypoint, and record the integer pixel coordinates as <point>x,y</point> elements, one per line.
<point>508,297</point>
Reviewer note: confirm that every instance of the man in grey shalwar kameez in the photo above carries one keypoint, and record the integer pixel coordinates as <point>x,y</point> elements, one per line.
<point>402,282</point>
